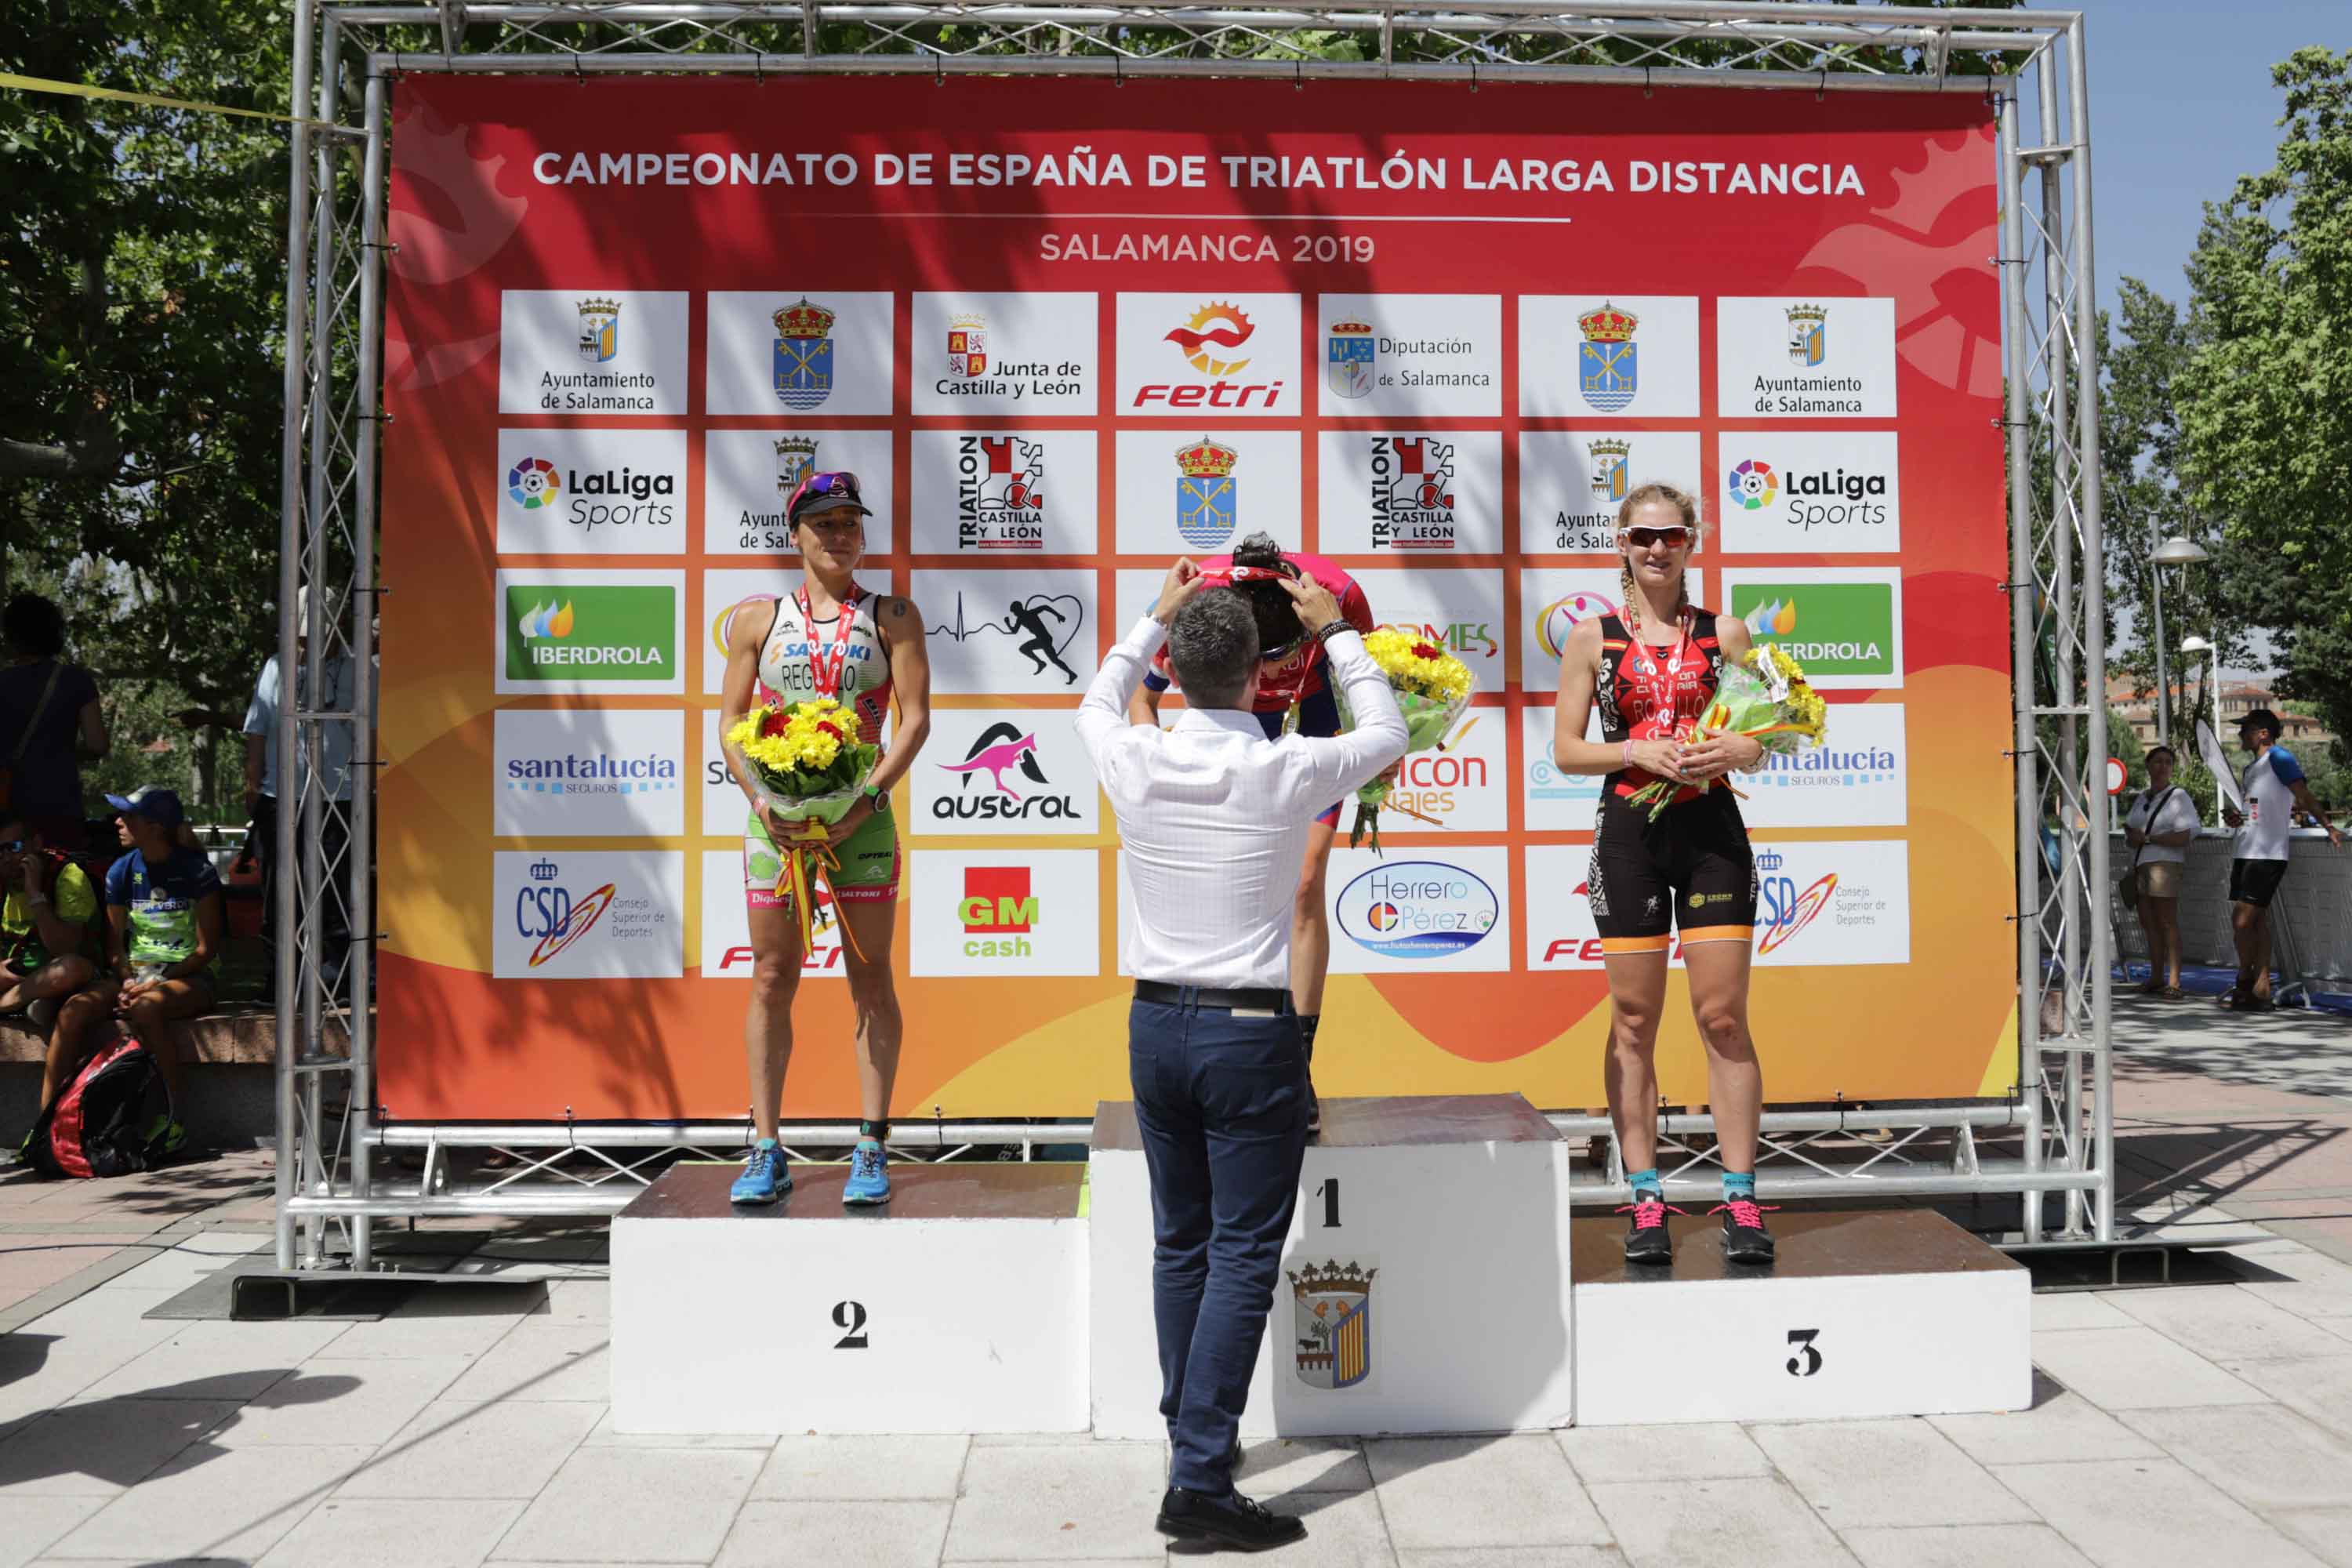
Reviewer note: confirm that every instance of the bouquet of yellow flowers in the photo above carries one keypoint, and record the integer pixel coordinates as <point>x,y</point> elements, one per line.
<point>1432,688</point>
<point>1762,696</point>
<point>807,765</point>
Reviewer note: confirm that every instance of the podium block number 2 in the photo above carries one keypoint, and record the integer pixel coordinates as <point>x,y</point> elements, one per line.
<point>850,1316</point>
<point>1809,1363</point>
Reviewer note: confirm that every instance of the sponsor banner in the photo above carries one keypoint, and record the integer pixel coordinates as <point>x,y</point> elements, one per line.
<point>799,352</point>
<point>1409,492</point>
<point>1859,776</point>
<point>1560,931</point>
<point>749,475</point>
<point>588,773</point>
<point>729,589</point>
<point>1395,915</point>
<point>1004,770</point>
<point>1834,492</point>
<point>1551,800</point>
<point>1464,787</point>
<point>1572,482</point>
<point>1004,492</point>
<point>1462,610</point>
<point>1844,624</point>
<point>1552,599</point>
<point>1212,355</point>
<point>999,633</point>
<point>1196,495</point>
<point>725,934</point>
<point>579,351</point>
<point>573,632</point>
<point>1632,356</point>
<point>1005,912</point>
<point>1138,588</point>
<point>587,914</point>
<point>591,492</point>
<point>1834,903</point>
<point>985,355</point>
<point>1808,357</point>
<point>1419,355</point>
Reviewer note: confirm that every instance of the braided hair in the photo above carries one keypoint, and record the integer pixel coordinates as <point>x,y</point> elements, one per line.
<point>1683,502</point>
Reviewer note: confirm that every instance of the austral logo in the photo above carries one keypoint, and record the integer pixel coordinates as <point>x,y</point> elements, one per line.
<point>999,493</point>
<point>1782,909</point>
<point>1418,910</point>
<point>998,912</point>
<point>1412,494</point>
<point>1210,341</point>
<point>1001,750</point>
<point>548,912</point>
<point>599,498</point>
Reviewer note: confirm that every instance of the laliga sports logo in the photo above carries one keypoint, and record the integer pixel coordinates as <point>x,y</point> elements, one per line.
<point>1753,484</point>
<point>1559,617</point>
<point>1213,331</point>
<point>532,483</point>
<point>1786,911</point>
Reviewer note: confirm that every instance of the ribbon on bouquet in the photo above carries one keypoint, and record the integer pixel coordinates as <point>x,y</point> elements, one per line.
<point>807,853</point>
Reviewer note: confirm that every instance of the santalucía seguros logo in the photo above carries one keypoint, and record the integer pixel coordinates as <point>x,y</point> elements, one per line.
<point>1418,910</point>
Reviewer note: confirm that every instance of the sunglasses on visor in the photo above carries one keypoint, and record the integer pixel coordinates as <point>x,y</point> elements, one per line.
<point>817,492</point>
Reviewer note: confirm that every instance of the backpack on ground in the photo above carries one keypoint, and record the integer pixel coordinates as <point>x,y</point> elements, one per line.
<point>98,1124</point>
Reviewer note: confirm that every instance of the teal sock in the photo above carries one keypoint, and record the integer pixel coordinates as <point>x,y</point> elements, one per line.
<point>1739,1184</point>
<point>1646,1182</point>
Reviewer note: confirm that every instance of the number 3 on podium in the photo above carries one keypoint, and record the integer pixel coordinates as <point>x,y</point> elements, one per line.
<point>1810,1362</point>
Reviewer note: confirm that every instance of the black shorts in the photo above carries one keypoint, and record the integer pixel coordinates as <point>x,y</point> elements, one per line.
<point>1691,868</point>
<point>2255,882</point>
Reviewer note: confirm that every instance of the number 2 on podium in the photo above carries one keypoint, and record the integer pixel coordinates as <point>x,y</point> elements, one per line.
<point>1810,1362</point>
<point>1330,1192</point>
<point>851,1316</point>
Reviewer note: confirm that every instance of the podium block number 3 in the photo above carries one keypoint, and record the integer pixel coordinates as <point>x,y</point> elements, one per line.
<point>1809,1361</point>
<point>850,1316</point>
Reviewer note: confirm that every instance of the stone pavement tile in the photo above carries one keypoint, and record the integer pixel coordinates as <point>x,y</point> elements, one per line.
<point>2265,1455</point>
<point>2125,1369</point>
<point>1516,1557</point>
<point>903,1534</point>
<point>38,1373</point>
<point>111,1317</point>
<point>1059,1501</point>
<point>862,1469</point>
<point>1751,1521</point>
<point>460,1450</point>
<point>642,1505</point>
<point>2055,1311</point>
<point>330,1400</point>
<point>1482,1491</point>
<point>2061,1427</point>
<point>2224,1322</point>
<point>28,1524</point>
<point>1964,1546</point>
<point>2317,1286</point>
<point>2325,1531</point>
<point>2146,1513</point>
<point>580,1300</point>
<point>101,1448</point>
<point>1281,1466</point>
<point>391,1533</point>
<point>543,1359</point>
<point>225,1242</point>
<point>30,1263</point>
<point>2321,1388</point>
<point>232,1503</point>
<point>1699,1451</point>
<point>1343,1531</point>
<point>173,1269</point>
<point>218,1360</point>
<point>605,1436</point>
<point>1893,1472</point>
<point>401,1334</point>
<point>2330,1235</point>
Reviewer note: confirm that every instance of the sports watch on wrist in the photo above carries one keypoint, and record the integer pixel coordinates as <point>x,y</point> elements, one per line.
<point>877,800</point>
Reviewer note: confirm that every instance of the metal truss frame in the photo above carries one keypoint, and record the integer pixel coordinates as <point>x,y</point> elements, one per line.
<point>2059,1117</point>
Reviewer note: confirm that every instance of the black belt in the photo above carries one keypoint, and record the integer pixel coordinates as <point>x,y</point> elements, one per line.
<point>1262,1000</point>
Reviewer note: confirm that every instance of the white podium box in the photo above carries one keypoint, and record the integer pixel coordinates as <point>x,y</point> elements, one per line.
<point>959,1306</point>
<point>1879,1312</point>
<point>1424,1284</point>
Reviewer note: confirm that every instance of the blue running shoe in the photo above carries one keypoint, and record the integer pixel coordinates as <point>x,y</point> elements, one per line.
<point>869,1181</point>
<point>764,1178</point>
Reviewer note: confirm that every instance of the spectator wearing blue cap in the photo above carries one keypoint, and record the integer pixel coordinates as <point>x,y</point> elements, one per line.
<point>163,910</point>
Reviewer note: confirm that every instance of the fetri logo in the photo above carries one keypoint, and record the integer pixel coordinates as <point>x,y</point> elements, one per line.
<point>997,911</point>
<point>1208,340</point>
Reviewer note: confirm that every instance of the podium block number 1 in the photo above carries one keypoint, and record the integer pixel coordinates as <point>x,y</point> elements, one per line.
<point>1330,1192</point>
<point>851,1316</point>
<point>1809,1362</point>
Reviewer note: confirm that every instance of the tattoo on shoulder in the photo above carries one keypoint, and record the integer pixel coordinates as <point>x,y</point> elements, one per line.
<point>898,609</point>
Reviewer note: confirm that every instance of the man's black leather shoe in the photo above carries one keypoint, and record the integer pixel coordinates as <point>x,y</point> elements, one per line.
<point>1232,1520</point>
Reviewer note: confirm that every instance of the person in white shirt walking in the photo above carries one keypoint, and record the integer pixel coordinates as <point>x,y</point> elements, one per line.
<point>1213,818</point>
<point>2158,828</point>
<point>2274,790</point>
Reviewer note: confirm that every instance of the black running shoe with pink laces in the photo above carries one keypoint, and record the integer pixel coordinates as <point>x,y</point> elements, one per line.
<point>1745,1239</point>
<point>1647,1240</point>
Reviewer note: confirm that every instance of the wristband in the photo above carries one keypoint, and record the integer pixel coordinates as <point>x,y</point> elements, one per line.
<point>1324,633</point>
<point>1629,755</point>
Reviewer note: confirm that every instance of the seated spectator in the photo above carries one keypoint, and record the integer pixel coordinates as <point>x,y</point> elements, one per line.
<point>50,722</point>
<point>163,910</point>
<point>45,929</point>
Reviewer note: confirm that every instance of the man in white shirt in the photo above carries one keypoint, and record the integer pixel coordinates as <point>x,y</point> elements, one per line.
<point>2273,788</point>
<point>1212,818</point>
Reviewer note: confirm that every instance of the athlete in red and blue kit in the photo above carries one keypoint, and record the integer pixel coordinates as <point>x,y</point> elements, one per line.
<point>1290,676</point>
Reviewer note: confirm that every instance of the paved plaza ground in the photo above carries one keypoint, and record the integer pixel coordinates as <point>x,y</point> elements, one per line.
<point>2195,1425</point>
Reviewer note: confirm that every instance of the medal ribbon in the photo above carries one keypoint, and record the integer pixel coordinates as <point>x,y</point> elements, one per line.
<point>825,670</point>
<point>1659,676</point>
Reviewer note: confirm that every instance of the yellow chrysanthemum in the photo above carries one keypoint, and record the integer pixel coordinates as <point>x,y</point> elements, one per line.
<point>1417,665</point>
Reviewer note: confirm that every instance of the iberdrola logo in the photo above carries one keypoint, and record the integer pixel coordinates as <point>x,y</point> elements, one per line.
<point>545,621</point>
<point>1754,484</point>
